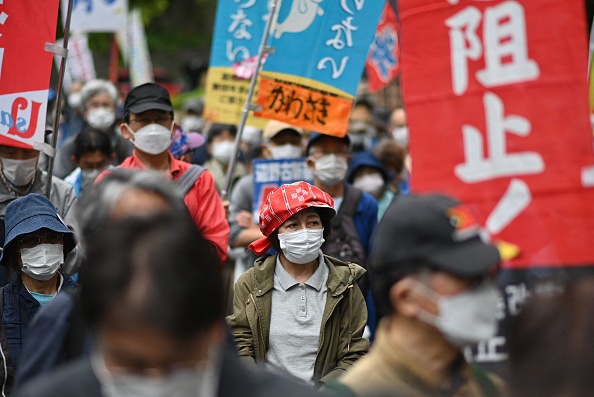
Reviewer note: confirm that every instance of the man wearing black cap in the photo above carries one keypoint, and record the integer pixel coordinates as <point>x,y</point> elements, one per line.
<point>430,265</point>
<point>148,124</point>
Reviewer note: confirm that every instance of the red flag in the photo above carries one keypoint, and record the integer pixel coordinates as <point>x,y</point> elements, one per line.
<point>25,68</point>
<point>383,60</point>
<point>497,104</point>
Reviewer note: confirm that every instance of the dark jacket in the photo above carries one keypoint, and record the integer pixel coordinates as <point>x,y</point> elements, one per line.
<point>18,309</point>
<point>341,334</point>
<point>235,380</point>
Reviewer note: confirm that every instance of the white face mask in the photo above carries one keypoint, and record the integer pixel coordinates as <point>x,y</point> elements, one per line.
<point>75,100</point>
<point>152,138</point>
<point>89,175</point>
<point>400,135</point>
<point>331,169</point>
<point>302,246</point>
<point>42,261</point>
<point>287,151</point>
<point>192,123</point>
<point>223,151</point>
<point>190,382</point>
<point>465,318</point>
<point>19,172</point>
<point>101,118</point>
<point>370,183</point>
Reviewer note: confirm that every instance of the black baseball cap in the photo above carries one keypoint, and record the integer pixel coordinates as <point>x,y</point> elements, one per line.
<point>431,230</point>
<point>148,96</point>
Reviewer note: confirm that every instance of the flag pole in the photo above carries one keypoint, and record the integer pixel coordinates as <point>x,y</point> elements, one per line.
<point>58,111</point>
<point>264,49</point>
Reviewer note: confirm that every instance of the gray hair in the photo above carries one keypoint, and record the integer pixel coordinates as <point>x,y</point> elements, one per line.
<point>98,201</point>
<point>94,87</point>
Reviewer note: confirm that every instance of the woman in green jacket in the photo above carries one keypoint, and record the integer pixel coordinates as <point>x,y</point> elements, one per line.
<point>299,312</point>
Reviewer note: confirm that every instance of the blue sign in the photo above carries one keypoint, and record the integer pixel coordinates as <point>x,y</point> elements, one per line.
<point>326,41</point>
<point>270,174</point>
<point>239,27</point>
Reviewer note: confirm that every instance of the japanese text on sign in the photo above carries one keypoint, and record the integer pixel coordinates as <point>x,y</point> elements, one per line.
<point>504,49</point>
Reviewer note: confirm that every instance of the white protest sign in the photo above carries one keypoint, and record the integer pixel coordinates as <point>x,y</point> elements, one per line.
<point>79,65</point>
<point>141,68</point>
<point>96,15</point>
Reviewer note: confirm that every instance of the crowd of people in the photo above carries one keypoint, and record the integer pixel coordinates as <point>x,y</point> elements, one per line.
<point>135,278</point>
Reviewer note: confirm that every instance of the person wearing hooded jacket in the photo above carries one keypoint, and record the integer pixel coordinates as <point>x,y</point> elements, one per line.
<point>37,241</point>
<point>299,312</point>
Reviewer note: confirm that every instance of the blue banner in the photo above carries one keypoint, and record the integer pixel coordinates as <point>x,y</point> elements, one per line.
<point>326,41</point>
<point>270,174</point>
<point>239,27</point>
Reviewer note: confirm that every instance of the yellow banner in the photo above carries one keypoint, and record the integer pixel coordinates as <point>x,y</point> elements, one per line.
<point>226,96</point>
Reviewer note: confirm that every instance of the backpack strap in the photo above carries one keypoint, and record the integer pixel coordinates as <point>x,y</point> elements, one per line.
<point>352,195</point>
<point>189,178</point>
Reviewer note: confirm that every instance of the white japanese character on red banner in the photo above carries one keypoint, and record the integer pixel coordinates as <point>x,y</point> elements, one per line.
<point>498,163</point>
<point>504,42</point>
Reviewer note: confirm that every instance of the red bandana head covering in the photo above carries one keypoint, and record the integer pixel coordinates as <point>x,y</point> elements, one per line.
<point>284,202</point>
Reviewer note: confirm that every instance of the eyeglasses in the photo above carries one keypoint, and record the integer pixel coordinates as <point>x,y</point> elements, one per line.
<point>150,120</point>
<point>33,240</point>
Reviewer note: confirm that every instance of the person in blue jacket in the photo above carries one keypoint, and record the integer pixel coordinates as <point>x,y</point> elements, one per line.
<point>368,174</point>
<point>328,158</point>
<point>37,241</point>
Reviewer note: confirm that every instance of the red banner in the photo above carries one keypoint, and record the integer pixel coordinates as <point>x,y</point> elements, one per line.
<point>497,104</point>
<point>383,60</point>
<point>25,68</point>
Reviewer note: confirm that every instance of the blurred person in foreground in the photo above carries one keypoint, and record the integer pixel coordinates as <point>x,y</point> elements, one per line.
<point>299,312</point>
<point>550,342</point>
<point>149,125</point>
<point>430,270</point>
<point>157,320</point>
<point>56,333</point>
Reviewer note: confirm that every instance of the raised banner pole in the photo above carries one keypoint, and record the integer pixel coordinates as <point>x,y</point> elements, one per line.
<point>63,52</point>
<point>248,105</point>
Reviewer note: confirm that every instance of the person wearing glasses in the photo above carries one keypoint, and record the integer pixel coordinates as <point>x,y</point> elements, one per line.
<point>37,241</point>
<point>149,125</point>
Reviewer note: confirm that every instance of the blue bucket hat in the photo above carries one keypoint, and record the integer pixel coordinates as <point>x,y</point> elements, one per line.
<point>28,214</point>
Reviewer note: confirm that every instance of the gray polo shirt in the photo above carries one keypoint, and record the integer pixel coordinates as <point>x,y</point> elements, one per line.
<point>295,321</point>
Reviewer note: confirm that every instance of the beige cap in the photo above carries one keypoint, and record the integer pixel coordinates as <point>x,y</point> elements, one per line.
<point>274,127</point>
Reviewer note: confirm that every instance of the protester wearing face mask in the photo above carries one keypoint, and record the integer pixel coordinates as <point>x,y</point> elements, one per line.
<point>99,100</point>
<point>430,270</point>
<point>368,174</point>
<point>92,153</point>
<point>328,158</point>
<point>20,176</point>
<point>221,147</point>
<point>37,241</point>
<point>153,303</point>
<point>310,312</point>
<point>149,125</point>
<point>361,130</point>
<point>279,141</point>
<point>192,120</point>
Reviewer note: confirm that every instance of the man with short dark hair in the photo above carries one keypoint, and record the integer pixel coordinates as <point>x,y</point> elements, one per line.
<point>157,318</point>
<point>430,270</point>
<point>149,125</point>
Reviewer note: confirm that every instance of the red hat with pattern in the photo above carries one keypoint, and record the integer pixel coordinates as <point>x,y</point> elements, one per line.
<point>284,202</point>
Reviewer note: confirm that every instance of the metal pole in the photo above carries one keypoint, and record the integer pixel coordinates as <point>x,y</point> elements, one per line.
<point>56,124</point>
<point>247,106</point>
